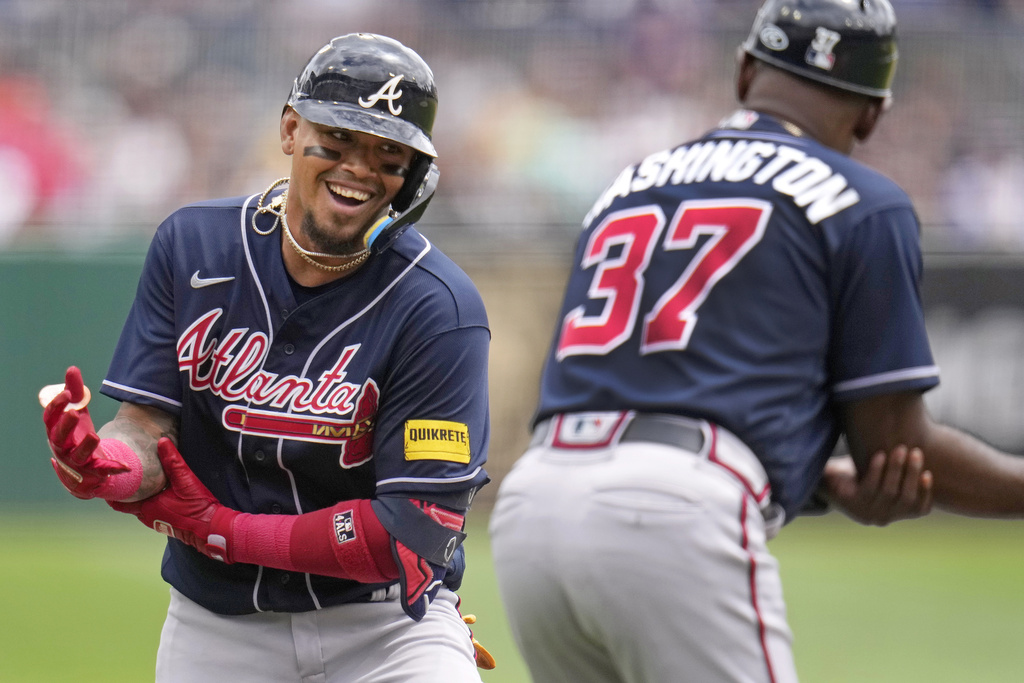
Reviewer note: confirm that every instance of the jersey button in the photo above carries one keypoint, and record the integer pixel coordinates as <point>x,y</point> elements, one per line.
<point>289,349</point>
<point>285,578</point>
<point>285,312</point>
<point>259,455</point>
<point>275,508</point>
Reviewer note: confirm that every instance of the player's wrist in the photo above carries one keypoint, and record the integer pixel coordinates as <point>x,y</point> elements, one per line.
<point>120,485</point>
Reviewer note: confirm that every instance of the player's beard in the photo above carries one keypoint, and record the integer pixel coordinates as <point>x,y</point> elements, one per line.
<point>326,243</point>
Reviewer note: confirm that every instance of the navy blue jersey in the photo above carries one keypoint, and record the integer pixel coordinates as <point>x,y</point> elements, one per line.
<point>754,278</point>
<point>375,384</point>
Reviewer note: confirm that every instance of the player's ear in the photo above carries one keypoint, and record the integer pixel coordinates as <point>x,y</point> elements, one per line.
<point>289,124</point>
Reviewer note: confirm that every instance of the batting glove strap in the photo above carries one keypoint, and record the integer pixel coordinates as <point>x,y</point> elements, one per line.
<point>219,539</point>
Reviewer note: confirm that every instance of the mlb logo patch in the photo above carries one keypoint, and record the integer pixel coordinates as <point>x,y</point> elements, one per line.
<point>820,54</point>
<point>344,527</point>
<point>588,430</point>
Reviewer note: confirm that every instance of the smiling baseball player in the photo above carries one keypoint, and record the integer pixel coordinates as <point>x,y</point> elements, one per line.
<point>308,375</point>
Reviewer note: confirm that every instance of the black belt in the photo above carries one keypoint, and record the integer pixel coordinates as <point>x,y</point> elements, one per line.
<point>670,430</point>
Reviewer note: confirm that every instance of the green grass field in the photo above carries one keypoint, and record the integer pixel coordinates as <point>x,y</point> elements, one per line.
<point>934,600</point>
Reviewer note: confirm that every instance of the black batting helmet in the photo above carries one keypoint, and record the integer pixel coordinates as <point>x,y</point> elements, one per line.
<point>847,44</point>
<point>373,84</point>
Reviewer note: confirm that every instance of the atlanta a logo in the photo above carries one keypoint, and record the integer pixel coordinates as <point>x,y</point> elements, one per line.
<point>388,92</point>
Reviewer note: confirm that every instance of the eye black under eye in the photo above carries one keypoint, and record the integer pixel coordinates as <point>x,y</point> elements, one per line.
<point>395,170</point>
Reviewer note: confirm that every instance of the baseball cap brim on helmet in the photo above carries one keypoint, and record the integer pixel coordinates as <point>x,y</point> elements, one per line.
<point>341,115</point>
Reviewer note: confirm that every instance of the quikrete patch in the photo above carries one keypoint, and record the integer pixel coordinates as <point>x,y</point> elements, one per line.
<point>436,440</point>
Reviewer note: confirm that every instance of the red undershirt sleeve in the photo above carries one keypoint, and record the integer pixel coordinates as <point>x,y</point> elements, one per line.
<point>345,541</point>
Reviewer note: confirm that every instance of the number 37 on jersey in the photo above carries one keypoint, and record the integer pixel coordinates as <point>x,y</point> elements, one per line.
<point>731,227</point>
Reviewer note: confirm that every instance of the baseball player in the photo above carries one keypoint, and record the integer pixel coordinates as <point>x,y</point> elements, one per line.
<point>736,304</point>
<point>307,374</point>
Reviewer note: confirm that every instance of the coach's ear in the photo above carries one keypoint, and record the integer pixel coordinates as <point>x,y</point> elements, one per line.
<point>869,116</point>
<point>746,67</point>
<point>289,123</point>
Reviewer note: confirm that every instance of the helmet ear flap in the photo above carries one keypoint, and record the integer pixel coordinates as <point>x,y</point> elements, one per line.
<point>413,180</point>
<point>419,193</point>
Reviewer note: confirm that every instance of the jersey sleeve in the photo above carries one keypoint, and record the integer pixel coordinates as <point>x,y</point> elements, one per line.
<point>880,344</point>
<point>433,429</point>
<point>144,367</point>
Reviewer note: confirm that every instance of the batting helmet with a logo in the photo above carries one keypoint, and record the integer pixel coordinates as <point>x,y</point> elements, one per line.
<point>373,84</point>
<point>847,44</point>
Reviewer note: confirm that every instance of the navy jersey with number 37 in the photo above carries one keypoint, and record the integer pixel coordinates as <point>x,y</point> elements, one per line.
<point>754,278</point>
<point>292,400</point>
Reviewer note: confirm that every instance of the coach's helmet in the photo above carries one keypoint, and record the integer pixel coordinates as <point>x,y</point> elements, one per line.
<point>374,84</point>
<point>847,44</point>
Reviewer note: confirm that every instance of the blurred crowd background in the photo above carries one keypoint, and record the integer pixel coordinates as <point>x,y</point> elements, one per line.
<point>115,112</point>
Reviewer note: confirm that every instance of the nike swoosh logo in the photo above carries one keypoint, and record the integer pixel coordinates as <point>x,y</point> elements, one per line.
<point>200,282</point>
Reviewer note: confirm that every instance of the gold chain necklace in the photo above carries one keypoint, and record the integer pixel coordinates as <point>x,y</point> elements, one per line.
<point>278,207</point>
<point>308,255</point>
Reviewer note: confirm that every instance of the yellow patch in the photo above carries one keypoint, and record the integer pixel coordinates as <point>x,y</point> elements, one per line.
<point>436,440</point>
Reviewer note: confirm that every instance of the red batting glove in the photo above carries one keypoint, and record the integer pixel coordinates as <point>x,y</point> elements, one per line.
<point>185,510</point>
<point>77,458</point>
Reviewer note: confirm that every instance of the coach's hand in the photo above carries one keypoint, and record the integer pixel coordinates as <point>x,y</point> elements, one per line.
<point>895,486</point>
<point>185,510</point>
<point>77,458</point>
<point>484,659</point>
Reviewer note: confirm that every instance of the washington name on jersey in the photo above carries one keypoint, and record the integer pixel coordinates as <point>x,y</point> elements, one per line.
<point>808,180</point>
